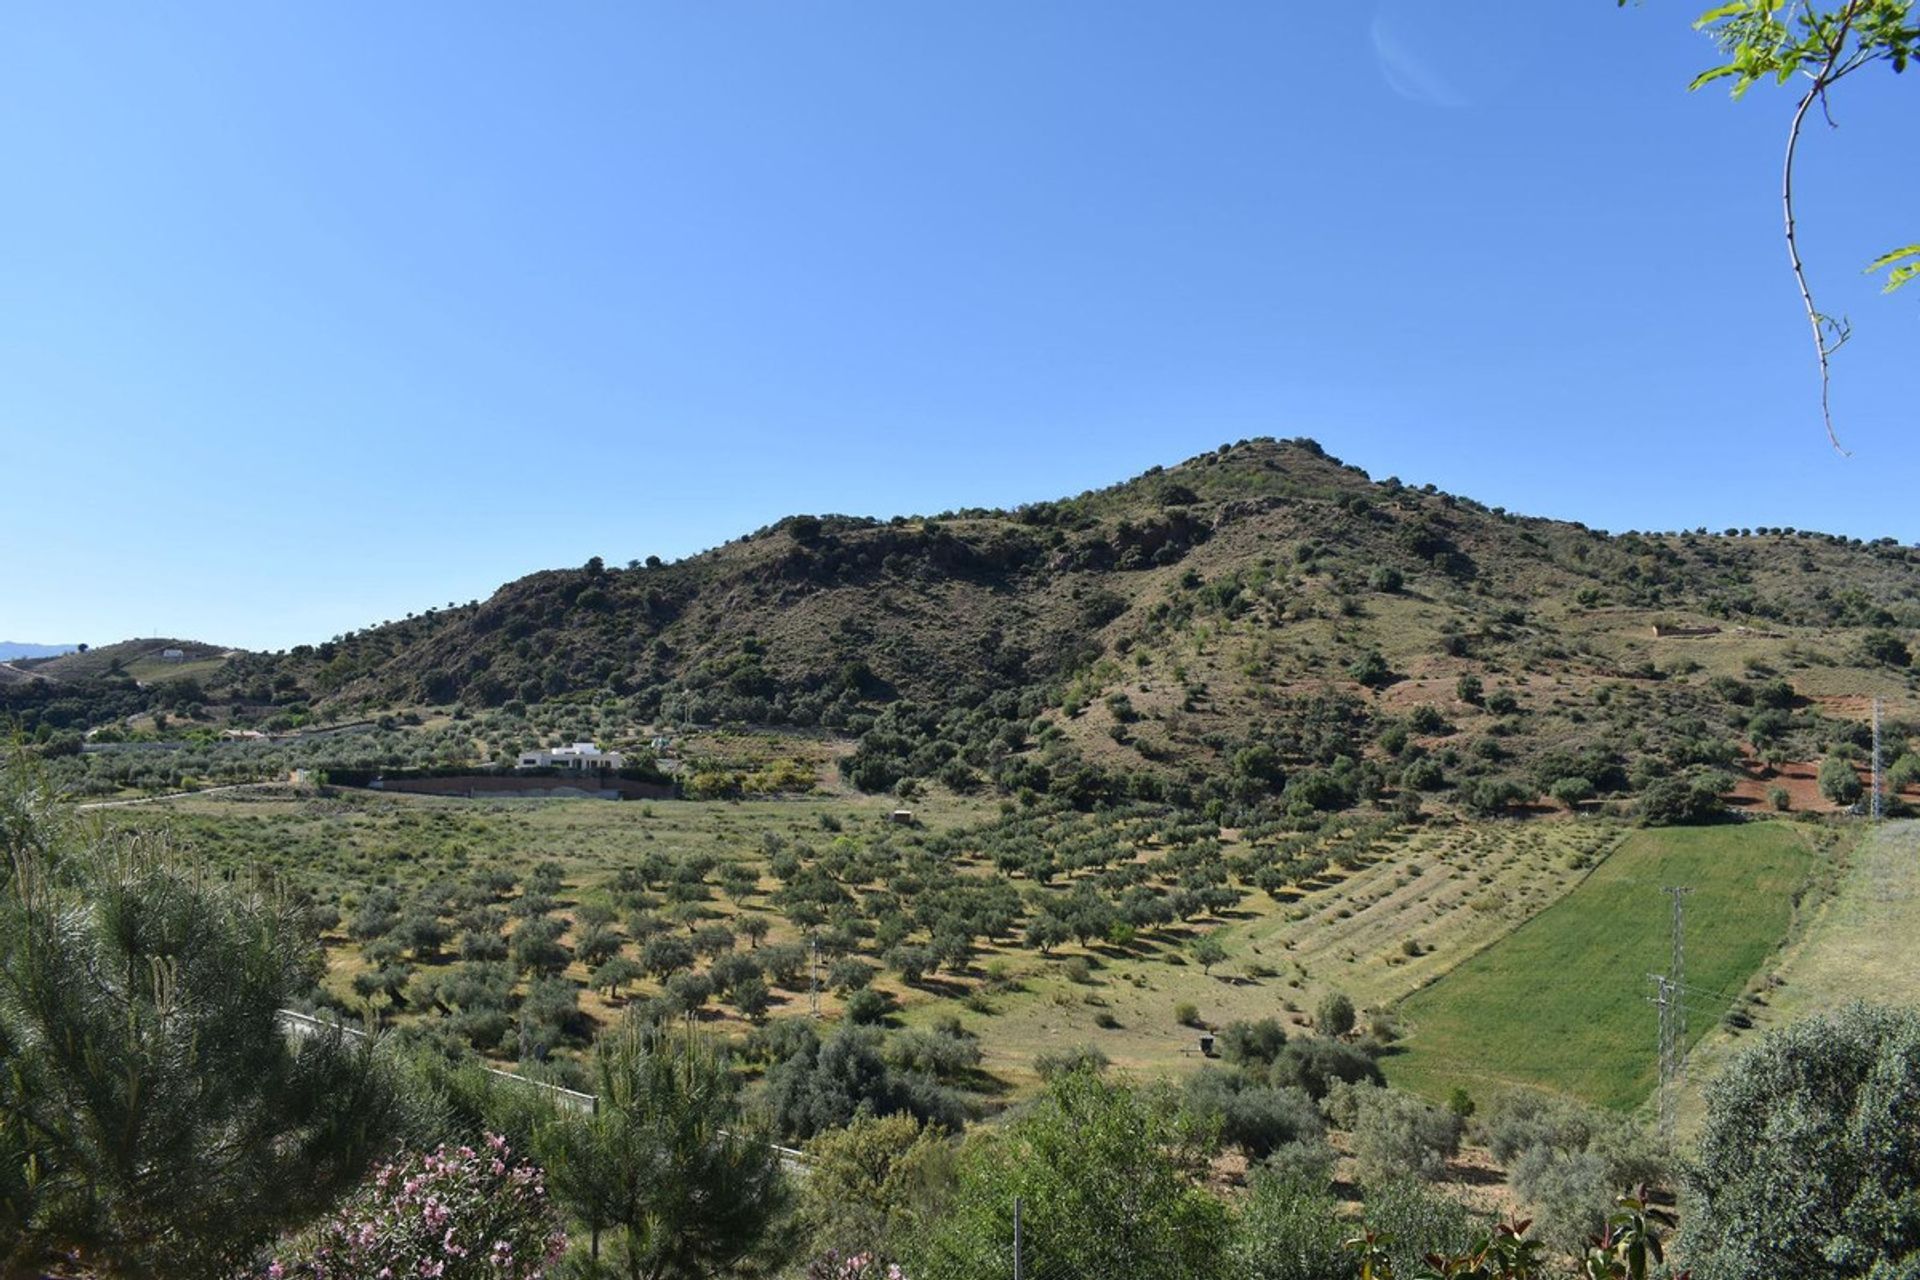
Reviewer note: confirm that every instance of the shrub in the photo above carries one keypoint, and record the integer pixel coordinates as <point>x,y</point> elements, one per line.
<point>1059,1062</point>
<point>456,1214</point>
<point>1416,1221</point>
<point>1385,578</point>
<point>1187,1014</point>
<point>1290,1230</point>
<point>873,1185</point>
<point>1395,1135</point>
<point>1568,1193</point>
<point>824,1084</point>
<point>1315,1064</point>
<point>1804,1166</point>
<point>1250,1043</point>
<point>1572,791</point>
<point>1335,1015</point>
<point>1258,1119</point>
<point>1885,647</point>
<point>1371,669</point>
<point>1839,782</point>
<point>867,1006</point>
<point>1105,1182</point>
<point>1669,802</point>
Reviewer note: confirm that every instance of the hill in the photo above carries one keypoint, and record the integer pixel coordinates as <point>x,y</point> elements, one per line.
<point>1258,627</point>
<point>11,649</point>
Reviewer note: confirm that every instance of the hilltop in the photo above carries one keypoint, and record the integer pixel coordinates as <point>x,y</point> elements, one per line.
<point>12,649</point>
<point>1259,622</point>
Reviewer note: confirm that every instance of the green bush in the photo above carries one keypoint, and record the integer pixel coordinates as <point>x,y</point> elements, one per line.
<point>1104,1189</point>
<point>1395,1135</point>
<point>1335,1015</point>
<point>1839,782</point>
<point>1805,1165</point>
<point>1290,1229</point>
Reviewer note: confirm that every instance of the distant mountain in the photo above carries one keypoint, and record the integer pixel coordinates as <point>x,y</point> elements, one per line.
<point>11,649</point>
<point>1260,624</point>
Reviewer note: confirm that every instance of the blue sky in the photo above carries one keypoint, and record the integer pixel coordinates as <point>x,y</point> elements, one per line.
<point>314,315</point>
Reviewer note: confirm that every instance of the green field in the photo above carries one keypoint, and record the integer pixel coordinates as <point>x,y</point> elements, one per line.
<point>1562,1003</point>
<point>1448,890</point>
<point>1853,947</point>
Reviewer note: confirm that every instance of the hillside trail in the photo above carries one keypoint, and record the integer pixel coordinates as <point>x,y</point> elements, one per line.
<point>179,795</point>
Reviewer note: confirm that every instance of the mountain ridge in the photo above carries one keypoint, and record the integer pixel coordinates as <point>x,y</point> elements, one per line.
<point>1212,629</point>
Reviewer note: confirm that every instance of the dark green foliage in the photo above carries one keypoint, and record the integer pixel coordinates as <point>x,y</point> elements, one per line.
<point>1807,1165</point>
<point>1335,1015</point>
<point>825,1084</point>
<point>1252,1043</point>
<point>1290,1230</point>
<point>1256,1118</point>
<point>1105,1185</point>
<point>666,1162</point>
<point>1839,781</point>
<point>170,1123</point>
<point>1685,801</point>
<point>1315,1063</point>
<point>1371,669</point>
<point>1887,648</point>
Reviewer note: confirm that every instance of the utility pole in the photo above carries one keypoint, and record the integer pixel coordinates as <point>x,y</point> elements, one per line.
<point>1877,807</point>
<point>1677,972</point>
<point>1667,998</point>
<point>813,978</point>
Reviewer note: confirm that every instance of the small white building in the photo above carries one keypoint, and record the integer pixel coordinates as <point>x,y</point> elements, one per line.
<point>583,756</point>
<point>172,655</point>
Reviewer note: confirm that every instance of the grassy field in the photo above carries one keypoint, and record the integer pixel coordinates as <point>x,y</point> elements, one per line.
<point>1852,947</point>
<point>1562,1003</point>
<point>1448,890</point>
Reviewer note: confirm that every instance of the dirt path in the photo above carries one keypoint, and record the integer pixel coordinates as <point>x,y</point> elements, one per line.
<point>179,795</point>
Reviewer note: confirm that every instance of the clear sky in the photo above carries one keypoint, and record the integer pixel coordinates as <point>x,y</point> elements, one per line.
<point>312,315</point>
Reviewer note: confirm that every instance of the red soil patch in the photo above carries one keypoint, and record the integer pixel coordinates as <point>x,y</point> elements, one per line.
<point>1844,706</point>
<point>1801,779</point>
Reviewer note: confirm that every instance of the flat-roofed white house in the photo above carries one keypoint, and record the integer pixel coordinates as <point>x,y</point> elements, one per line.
<point>583,756</point>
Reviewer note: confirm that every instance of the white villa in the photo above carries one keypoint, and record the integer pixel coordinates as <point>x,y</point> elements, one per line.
<point>583,756</point>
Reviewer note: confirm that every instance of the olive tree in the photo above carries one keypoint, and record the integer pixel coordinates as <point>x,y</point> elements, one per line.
<point>1807,1165</point>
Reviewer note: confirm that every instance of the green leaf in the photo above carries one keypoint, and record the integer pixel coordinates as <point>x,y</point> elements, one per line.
<point>1708,77</point>
<point>1902,265</point>
<point>1720,13</point>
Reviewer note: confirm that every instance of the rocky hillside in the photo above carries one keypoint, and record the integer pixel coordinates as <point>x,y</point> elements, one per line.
<point>1256,614</point>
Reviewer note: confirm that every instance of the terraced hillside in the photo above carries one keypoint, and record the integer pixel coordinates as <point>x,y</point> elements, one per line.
<point>1393,912</point>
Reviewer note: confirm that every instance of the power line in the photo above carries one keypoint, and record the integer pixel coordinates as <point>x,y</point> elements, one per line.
<point>1877,807</point>
<point>1663,998</point>
<point>1670,990</point>
<point>1677,973</point>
